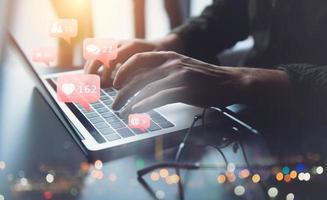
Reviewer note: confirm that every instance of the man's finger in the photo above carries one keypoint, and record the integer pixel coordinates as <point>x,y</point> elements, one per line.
<point>92,66</point>
<point>141,78</point>
<point>106,80</point>
<point>145,60</point>
<point>164,97</point>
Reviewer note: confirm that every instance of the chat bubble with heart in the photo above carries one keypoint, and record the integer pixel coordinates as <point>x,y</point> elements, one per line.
<point>79,88</point>
<point>44,55</point>
<point>63,28</point>
<point>139,121</point>
<point>102,49</point>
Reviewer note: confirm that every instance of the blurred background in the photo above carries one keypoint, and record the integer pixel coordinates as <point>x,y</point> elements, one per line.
<point>121,20</point>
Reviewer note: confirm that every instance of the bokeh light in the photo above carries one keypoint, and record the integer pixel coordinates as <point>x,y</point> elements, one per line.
<point>2,165</point>
<point>319,170</point>
<point>160,194</point>
<point>239,190</point>
<point>230,176</point>
<point>290,196</point>
<point>272,192</point>
<point>140,163</point>
<point>98,164</point>
<point>279,176</point>
<point>49,178</point>
<point>85,166</point>
<point>23,181</point>
<point>256,178</point>
<point>2,197</point>
<point>307,176</point>
<point>285,170</point>
<point>300,167</point>
<point>163,173</point>
<point>47,195</point>
<point>221,179</point>
<point>231,167</point>
<point>301,176</point>
<point>155,176</point>
<point>97,174</point>
<point>175,178</point>
<point>245,173</point>
<point>293,174</point>
<point>169,180</point>
<point>287,178</point>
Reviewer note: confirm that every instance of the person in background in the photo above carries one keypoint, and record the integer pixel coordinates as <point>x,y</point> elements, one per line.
<point>172,8</point>
<point>285,70</point>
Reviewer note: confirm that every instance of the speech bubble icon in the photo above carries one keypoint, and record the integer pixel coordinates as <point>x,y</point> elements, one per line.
<point>44,55</point>
<point>63,28</point>
<point>102,49</point>
<point>139,121</point>
<point>79,88</point>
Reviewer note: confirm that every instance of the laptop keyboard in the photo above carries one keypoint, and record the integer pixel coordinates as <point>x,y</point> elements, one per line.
<point>110,126</point>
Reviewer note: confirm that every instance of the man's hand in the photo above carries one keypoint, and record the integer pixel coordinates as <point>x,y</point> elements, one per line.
<point>125,50</point>
<point>167,77</point>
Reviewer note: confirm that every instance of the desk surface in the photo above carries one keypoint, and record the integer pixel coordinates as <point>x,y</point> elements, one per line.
<point>39,159</point>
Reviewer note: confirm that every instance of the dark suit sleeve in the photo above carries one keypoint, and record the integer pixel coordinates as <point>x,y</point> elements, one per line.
<point>310,85</point>
<point>220,26</point>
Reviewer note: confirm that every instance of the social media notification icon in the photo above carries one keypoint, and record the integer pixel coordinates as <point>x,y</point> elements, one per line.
<point>103,50</point>
<point>63,28</point>
<point>79,88</point>
<point>44,55</point>
<point>139,121</point>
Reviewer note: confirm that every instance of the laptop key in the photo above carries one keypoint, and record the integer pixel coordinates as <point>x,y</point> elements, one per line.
<point>112,119</point>
<point>112,93</point>
<point>154,127</point>
<point>97,136</point>
<point>138,131</point>
<point>125,132</point>
<point>107,131</point>
<point>96,120</point>
<point>98,105</point>
<point>108,89</point>
<point>158,119</point>
<point>108,102</point>
<point>101,125</point>
<point>102,110</point>
<point>112,137</point>
<point>123,119</point>
<point>102,93</point>
<point>107,115</point>
<point>117,125</point>
<point>104,98</point>
<point>154,114</point>
<point>165,124</point>
<point>91,115</point>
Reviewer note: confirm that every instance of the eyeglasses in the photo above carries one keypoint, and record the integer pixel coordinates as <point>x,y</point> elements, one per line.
<point>237,126</point>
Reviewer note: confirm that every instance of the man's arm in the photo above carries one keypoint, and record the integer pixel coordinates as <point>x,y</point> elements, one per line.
<point>220,26</point>
<point>309,84</point>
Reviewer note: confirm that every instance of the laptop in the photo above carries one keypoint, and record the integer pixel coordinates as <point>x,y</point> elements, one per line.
<point>101,128</point>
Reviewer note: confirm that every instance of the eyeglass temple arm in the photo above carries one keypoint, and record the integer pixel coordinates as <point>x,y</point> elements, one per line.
<point>229,116</point>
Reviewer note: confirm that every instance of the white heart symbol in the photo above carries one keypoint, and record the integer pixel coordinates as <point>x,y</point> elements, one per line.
<point>68,88</point>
